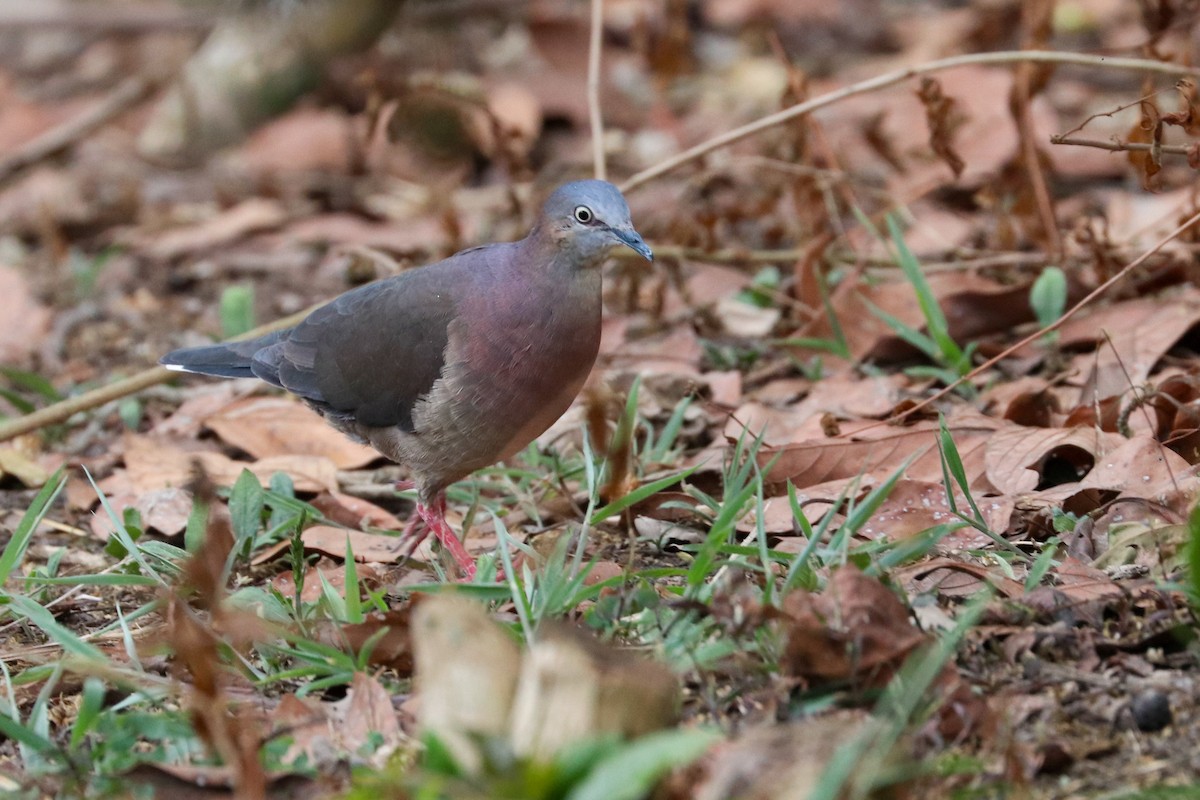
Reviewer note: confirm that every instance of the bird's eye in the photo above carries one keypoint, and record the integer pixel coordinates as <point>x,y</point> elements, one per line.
<point>584,214</point>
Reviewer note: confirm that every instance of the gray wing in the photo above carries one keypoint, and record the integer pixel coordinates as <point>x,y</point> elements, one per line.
<point>373,352</point>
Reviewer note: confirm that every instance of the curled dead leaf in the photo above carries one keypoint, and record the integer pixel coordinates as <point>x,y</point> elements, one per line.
<point>856,629</point>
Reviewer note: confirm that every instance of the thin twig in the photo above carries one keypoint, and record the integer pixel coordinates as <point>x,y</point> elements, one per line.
<point>1114,112</point>
<point>1117,146</point>
<point>65,409</point>
<point>1053,326</point>
<point>76,128</point>
<point>888,79</point>
<point>1033,165</point>
<point>595,40</point>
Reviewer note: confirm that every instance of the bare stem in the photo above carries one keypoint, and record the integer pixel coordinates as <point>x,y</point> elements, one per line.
<point>1118,146</point>
<point>593,90</point>
<point>64,409</point>
<point>888,79</point>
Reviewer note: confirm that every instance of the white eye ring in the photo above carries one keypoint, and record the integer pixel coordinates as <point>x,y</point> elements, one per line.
<point>584,214</point>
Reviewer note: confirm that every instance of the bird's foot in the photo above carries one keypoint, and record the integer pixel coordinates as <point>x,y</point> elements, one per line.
<point>413,534</point>
<point>434,519</point>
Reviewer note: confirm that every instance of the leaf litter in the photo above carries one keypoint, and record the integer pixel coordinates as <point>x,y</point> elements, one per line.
<point>1067,495</point>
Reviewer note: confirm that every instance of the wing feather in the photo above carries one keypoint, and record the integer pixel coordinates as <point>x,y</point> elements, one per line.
<point>373,352</point>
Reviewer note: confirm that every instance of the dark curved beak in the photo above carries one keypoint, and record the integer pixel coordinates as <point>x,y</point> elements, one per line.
<point>634,241</point>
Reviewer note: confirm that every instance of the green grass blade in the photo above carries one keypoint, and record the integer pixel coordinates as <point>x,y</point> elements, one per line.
<point>638,495</point>
<point>65,638</point>
<point>631,772</point>
<point>14,551</point>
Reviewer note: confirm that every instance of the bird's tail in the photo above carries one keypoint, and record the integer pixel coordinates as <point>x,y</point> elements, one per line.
<point>225,360</point>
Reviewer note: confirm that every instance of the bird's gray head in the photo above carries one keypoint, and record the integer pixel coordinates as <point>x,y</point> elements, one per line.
<point>589,218</point>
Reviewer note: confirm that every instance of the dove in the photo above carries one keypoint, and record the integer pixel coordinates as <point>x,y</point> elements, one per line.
<point>453,366</point>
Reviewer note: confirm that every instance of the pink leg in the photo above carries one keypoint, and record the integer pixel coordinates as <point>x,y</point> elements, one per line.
<point>434,517</point>
<point>413,534</point>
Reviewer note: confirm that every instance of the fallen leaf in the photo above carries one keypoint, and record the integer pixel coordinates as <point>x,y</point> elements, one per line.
<point>26,321</point>
<point>249,216</point>
<point>951,577</point>
<point>883,448</point>
<point>278,426</point>
<point>355,512</point>
<point>370,728</point>
<point>333,574</point>
<point>777,762</point>
<point>1020,459</point>
<point>15,463</point>
<point>856,629</point>
<point>368,547</point>
<point>163,510</point>
<point>202,401</point>
<point>1140,331</point>
<point>304,139</point>
<point>155,462</point>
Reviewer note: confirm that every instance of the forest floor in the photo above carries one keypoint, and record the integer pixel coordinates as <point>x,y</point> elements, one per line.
<point>885,473</point>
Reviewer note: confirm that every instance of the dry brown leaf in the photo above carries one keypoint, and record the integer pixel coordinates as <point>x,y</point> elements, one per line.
<point>304,139</point>
<point>163,510</point>
<point>278,426</point>
<point>777,762</point>
<point>745,320</point>
<point>370,719</point>
<point>154,462</point>
<point>249,216</point>
<point>911,507</point>
<point>1142,467</point>
<point>393,649</point>
<point>417,236</point>
<point>316,575</point>
<point>306,723</point>
<point>1035,408</point>
<point>557,66</point>
<point>818,461</point>
<point>984,141</point>
<point>856,629</point>
<point>1020,459</point>
<point>15,463</point>
<point>1148,129</point>
<point>678,352</point>
<point>943,118</point>
<point>844,396</point>
<point>207,782</point>
<point>202,401</point>
<point>355,512</point>
<point>915,506</point>
<point>973,307</point>
<point>1141,332</point>
<point>705,285</point>
<point>1081,582</point>
<point>25,320</point>
<point>368,547</point>
<point>512,124</point>
<point>950,577</point>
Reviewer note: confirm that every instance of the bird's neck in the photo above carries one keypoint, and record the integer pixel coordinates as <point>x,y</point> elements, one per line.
<point>544,247</point>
